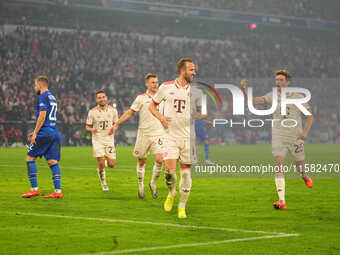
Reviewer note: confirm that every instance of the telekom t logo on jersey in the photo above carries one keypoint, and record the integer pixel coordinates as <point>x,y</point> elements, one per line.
<point>238,100</point>
<point>179,105</point>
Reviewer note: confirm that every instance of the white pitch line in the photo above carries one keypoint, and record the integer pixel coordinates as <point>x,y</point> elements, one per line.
<point>150,223</point>
<point>273,234</point>
<point>190,245</point>
<point>62,166</point>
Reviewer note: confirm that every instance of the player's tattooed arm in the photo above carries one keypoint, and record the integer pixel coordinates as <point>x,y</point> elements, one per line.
<point>38,125</point>
<point>121,120</point>
<point>308,125</point>
<point>256,100</point>
<point>164,120</point>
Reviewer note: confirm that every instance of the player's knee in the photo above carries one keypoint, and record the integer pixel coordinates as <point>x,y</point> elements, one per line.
<point>278,160</point>
<point>101,165</point>
<point>170,169</point>
<point>185,166</point>
<point>300,162</point>
<point>141,162</point>
<point>159,160</point>
<point>170,177</point>
<point>111,163</point>
<point>52,162</point>
<point>30,159</point>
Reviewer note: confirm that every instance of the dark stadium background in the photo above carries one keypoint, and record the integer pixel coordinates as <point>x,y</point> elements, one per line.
<point>84,46</point>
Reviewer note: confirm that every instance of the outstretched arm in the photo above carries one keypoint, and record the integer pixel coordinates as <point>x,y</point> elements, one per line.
<point>121,120</point>
<point>256,100</point>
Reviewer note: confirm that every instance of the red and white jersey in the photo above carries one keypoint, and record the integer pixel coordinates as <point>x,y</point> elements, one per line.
<point>148,123</point>
<point>179,103</point>
<point>102,120</point>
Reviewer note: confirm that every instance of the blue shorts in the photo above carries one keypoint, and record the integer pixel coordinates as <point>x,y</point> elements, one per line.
<point>47,146</point>
<point>200,133</point>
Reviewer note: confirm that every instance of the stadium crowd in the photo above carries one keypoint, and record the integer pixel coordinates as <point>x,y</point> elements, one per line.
<point>79,63</point>
<point>315,9</point>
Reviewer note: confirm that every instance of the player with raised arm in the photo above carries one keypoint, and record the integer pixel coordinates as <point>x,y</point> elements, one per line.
<point>100,123</point>
<point>180,104</point>
<point>149,136</point>
<point>286,138</point>
<point>45,140</point>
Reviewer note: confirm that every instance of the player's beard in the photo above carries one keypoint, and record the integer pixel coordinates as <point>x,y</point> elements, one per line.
<point>38,92</point>
<point>188,78</point>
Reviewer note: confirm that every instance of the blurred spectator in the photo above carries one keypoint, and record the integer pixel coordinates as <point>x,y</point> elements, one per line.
<point>78,64</point>
<point>316,9</point>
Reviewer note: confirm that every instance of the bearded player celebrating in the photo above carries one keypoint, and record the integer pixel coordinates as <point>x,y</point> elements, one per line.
<point>99,122</point>
<point>180,104</point>
<point>286,138</point>
<point>149,136</point>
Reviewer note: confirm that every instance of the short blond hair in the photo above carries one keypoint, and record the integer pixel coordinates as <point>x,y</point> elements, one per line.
<point>43,79</point>
<point>182,62</point>
<point>150,75</point>
<point>285,73</point>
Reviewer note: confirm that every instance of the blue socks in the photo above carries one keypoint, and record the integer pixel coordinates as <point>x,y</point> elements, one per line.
<point>56,173</point>
<point>206,151</point>
<point>32,173</point>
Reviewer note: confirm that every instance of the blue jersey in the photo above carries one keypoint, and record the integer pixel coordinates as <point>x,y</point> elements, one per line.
<point>48,140</point>
<point>199,123</point>
<point>47,102</point>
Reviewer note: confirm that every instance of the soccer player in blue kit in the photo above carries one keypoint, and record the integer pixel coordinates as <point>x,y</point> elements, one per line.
<point>45,140</point>
<point>202,137</point>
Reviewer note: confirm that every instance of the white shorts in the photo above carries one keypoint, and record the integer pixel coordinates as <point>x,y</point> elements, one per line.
<point>182,149</point>
<point>280,146</point>
<point>145,143</point>
<point>102,149</point>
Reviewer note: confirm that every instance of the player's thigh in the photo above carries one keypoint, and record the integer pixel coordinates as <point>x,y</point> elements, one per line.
<point>52,154</point>
<point>171,164</point>
<point>40,147</point>
<point>157,145</point>
<point>98,149</point>
<point>279,147</point>
<point>172,149</point>
<point>188,154</point>
<point>142,145</point>
<point>297,149</point>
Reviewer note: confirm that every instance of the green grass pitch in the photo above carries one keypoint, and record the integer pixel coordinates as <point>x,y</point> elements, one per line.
<point>89,221</point>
